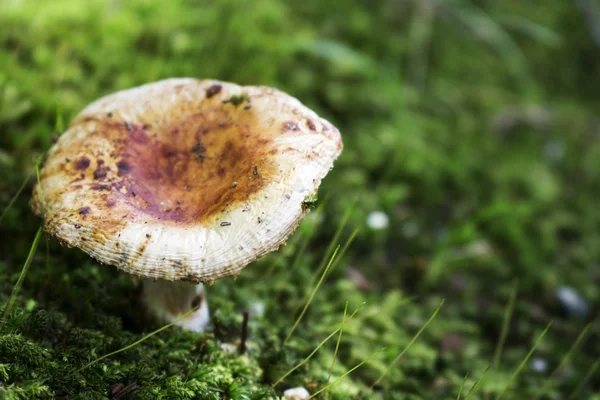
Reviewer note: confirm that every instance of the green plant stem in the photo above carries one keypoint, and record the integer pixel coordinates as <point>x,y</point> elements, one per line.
<point>17,287</point>
<point>15,197</point>
<point>132,345</point>
<point>312,295</point>
<point>520,367</point>
<point>348,372</point>
<point>384,373</point>
<point>506,323</point>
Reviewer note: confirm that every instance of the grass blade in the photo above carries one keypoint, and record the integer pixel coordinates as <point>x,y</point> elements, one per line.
<point>17,287</point>
<point>585,380</point>
<point>59,125</point>
<point>132,345</point>
<point>520,367</point>
<point>414,339</point>
<point>462,386</point>
<point>506,323</point>
<point>312,295</point>
<point>346,246</point>
<point>327,253</point>
<point>334,240</point>
<point>472,390</point>
<point>301,250</point>
<point>316,349</point>
<point>566,358</point>
<point>337,345</point>
<point>348,372</point>
<point>15,197</point>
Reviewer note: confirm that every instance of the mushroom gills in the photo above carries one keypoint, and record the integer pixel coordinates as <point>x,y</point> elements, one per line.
<point>166,301</point>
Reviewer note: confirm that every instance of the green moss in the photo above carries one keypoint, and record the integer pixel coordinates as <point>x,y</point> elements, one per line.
<point>310,201</point>
<point>238,99</point>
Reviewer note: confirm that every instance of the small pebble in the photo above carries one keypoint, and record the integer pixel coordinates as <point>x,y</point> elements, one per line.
<point>554,151</point>
<point>539,365</point>
<point>575,305</point>
<point>298,393</point>
<point>378,220</point>
<point>257,308</point>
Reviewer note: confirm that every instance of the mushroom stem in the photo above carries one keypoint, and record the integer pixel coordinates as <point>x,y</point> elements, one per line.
<point>167,301</point>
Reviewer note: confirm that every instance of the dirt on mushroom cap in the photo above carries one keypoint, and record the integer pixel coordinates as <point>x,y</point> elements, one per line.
<point>193,163</point>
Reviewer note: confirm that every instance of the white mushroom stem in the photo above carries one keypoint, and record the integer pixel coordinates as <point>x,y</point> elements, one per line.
<point>167,301</point>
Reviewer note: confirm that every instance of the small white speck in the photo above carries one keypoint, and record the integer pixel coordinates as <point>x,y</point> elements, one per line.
<point>378,220</point>
<point>298,393</point>
<point>257,308</point>
<point>539,365</point>
<point>572,301</point>
<point>554,151</point>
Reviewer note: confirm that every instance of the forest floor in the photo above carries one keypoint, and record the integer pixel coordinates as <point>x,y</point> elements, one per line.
<point>470,174</point>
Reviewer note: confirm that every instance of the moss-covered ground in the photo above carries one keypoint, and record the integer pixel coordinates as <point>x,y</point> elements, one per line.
<point>473,125</point>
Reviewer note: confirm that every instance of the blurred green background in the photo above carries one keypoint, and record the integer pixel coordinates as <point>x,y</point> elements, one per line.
<point>471,169</point>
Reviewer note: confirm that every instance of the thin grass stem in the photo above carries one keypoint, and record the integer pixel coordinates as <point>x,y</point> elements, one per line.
<point>132,345</point>
<point>346,246</point>
<point>414,339</point>
<point>334,240</point>
<point>311,296</point>
<point>17,287</point>
<point>462,386</point>
<point>566,358</point>
<point>15,197</point>
<point>348,372</point>
<point>585,380</point>
<point>506,323</point>
<point>472,390</point>
<point>337,345</point>
<point>316,349</point>
<point>520,367</point>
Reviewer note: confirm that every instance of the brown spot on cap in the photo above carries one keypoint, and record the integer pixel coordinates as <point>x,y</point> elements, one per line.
<point>214,89</point>
<point>82,163</point>
<point>84,210</point>
<point>101,172</point>
<point>100,186</point>
<point>123,168</point>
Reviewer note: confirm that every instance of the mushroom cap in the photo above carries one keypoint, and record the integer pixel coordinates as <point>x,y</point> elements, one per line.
<point>184,179</point>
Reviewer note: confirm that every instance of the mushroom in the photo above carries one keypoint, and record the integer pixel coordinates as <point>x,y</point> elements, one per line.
<point>183,182</point>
